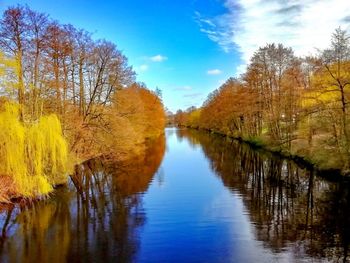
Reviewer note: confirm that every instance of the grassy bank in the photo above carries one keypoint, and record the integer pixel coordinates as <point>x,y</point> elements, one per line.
<point>307,161</point>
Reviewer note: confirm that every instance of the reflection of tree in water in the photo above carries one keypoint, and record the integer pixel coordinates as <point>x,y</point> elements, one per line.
<point>288,206</point>
<point>37,234</point>
<point>96,219</point>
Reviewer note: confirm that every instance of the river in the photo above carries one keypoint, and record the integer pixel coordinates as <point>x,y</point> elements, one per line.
<point>191,197</point>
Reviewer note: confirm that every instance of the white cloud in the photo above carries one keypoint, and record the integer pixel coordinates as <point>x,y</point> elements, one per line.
<point>158,58</point>
<point>214,72</point>
<point>184,88</point>
<point>241,69</point>
<point>144,67</point>
<point>200,19</point>
<point>303,25</point>
<point>193,95</point>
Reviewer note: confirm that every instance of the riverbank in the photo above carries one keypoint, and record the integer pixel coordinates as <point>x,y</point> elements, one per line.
<point>329,173</point>
<point>65,112</point>
<point>9,196</point>
<point>193,188</point>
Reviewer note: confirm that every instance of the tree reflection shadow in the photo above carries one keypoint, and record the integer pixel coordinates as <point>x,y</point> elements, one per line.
<point>290,207</point>
<point>96,219</point>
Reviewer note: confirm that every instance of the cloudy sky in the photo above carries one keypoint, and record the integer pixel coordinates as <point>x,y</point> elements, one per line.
<point>187,48</point>
<point>304,25</point>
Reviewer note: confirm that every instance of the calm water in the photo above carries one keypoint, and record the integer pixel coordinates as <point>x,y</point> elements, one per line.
<point>190,197</point>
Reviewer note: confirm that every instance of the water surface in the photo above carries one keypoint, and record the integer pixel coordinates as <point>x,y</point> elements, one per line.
<point>191,197</point>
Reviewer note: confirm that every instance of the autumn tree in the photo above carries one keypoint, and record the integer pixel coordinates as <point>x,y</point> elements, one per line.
<point>62,70</point>
<point>13,39</point>
<point>37,23</point>
<point>272,64</point>
<point>336,69</point>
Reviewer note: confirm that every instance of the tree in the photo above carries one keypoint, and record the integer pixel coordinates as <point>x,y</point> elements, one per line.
<point>13,40</point>
<point>335,63</point>
<point>37,24</point>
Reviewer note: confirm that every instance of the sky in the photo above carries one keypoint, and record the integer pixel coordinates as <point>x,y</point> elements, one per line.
<point>188,48</point>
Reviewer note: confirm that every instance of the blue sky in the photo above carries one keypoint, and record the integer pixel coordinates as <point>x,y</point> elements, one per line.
<point>188,48</point>
<point>162,40</point>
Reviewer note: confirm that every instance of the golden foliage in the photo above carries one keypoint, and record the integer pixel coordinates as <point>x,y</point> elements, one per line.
<point>99,115</point>
<point>33,155</point>
<point>137,115</point>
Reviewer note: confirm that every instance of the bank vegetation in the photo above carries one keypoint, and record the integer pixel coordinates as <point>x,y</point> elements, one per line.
<point>292,105</point>
<point>64,98</point>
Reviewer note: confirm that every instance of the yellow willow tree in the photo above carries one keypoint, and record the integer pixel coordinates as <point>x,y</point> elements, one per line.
<point>33,155</point>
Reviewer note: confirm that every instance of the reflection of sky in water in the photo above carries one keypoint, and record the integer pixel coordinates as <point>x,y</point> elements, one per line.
<point>192,217</point>
<point>188,213</point>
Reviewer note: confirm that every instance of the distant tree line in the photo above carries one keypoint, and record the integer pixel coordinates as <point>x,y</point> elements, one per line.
<point>299,105</point>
